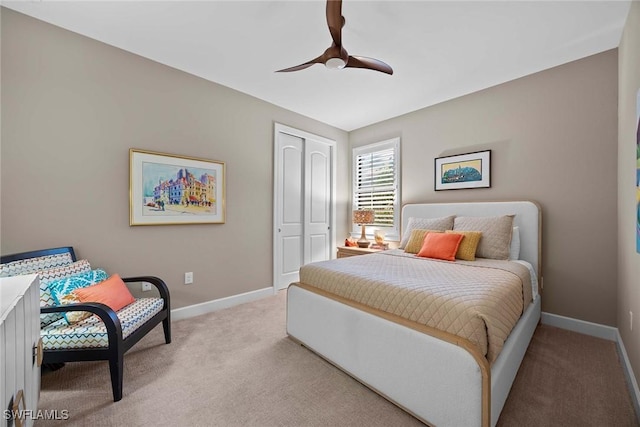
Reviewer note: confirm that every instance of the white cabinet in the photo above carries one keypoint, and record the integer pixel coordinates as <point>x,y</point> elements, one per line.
<point>20,349</point>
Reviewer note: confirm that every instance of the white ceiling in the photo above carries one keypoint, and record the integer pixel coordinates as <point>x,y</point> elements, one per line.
<point>439,50</point>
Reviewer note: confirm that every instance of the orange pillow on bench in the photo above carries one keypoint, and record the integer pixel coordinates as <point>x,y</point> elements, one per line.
<point>112,292</point>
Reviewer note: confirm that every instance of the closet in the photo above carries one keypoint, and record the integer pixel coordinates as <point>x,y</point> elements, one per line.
<point>304,201</point>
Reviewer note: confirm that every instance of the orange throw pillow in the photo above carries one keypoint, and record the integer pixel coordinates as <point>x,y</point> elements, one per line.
<point>112,292</point>
<point>440,246</point>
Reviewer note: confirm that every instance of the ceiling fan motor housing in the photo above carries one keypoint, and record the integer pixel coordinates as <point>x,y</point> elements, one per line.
<point>335,63</point>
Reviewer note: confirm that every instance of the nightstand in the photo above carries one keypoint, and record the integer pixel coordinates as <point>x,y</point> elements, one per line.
<point>346,251</point>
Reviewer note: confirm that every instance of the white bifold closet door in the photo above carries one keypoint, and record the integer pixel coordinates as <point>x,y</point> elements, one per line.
<point>303,202</point>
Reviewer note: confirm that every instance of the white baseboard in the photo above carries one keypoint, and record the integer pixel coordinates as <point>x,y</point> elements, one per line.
<point>605,332</point>
<point>631,378</point>
<point>593,329</point>
<point>219,304</point>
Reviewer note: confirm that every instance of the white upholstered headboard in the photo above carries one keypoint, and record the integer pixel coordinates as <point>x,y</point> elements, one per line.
<point>527,217</point>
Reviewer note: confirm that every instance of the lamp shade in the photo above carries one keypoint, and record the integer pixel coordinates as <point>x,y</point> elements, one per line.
<point>363,216</point>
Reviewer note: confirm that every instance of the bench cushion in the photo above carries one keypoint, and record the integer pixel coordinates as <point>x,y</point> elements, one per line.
<point>32,265</point>
<point>91,332</point>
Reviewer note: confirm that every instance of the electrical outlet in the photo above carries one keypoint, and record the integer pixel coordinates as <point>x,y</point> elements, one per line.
<point>630,320</point>
<point>188,278</point>
<point>146,287</point>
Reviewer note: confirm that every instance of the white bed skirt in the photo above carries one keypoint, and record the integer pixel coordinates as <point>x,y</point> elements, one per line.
<point>438,382</point>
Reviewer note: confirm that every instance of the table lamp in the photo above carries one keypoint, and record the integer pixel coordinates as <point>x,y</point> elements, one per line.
<point>363,217</point>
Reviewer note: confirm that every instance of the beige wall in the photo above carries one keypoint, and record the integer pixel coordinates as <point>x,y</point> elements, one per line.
<point>71,109</point>
<point>628,258</point>
<point>553,138</point>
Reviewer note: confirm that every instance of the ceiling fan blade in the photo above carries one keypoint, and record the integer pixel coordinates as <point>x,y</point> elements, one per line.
<point>335,20</point>
<point>318,60</point>
<point>369,63</point>
<point>336,57</point>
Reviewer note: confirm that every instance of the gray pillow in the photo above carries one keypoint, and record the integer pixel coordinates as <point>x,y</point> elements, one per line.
<point>440,224</point>
<point>496,234</point>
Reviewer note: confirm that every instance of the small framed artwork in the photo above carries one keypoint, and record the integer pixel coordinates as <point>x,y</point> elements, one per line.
<point>171,189</point>
<point>471,170</point>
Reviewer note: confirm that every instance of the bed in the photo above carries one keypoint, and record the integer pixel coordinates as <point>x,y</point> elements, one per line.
<point>439,377</point>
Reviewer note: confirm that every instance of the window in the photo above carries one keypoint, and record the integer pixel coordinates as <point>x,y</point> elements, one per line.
<point>376,185</point>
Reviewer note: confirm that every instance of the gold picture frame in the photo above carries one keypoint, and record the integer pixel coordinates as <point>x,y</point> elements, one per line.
<point>167,189</point>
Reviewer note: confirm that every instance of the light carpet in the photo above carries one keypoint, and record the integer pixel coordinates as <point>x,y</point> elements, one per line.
<point>236,367</point>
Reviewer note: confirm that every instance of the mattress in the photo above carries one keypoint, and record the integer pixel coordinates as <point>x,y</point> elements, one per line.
<point>480,301</point>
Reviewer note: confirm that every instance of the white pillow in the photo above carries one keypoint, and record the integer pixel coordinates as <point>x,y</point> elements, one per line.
<point>514,249</point>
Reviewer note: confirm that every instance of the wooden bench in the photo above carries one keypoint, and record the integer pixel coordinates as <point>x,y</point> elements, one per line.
<point>106,338</point>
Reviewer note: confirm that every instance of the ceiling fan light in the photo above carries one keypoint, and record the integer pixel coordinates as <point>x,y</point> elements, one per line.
<point>335,63</point>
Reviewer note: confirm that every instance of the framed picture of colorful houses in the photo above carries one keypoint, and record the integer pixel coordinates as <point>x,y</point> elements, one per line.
<point>173,189</point>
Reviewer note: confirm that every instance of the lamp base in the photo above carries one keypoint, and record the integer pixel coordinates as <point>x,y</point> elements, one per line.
<point>362,241</point>
<point>363,244</point>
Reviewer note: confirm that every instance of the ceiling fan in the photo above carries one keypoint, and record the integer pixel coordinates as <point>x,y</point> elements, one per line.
<point>336,57</point>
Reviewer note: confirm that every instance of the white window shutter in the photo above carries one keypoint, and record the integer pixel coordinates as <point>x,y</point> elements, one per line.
<point>376,184</point>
